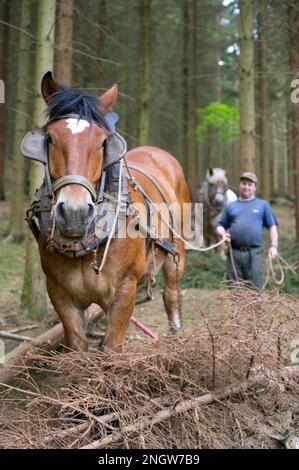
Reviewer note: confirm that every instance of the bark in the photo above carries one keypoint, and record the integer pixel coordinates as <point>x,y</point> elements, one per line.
<point>192,98</point>
<point>145,68</point>
<point>275,160</point>
<point>64,40</point>
<point>293,15</point>
<point>22,123</point>
<point>285,153</point>
<point>264,137</point>
<point>247,106</point>
<point>190,94</point>
<point>101,42</point>
<point>34,297</point>
<point>3,76</point>
<point>185,102</point>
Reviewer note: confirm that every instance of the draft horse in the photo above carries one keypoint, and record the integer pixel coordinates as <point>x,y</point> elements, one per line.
<point>215,195</point>
<point>83,153</point>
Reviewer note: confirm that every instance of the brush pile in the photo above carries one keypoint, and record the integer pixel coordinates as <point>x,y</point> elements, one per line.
<point>230,382</point>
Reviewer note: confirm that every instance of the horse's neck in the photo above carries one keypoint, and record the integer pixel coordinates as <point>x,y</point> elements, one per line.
<point>203,192</point>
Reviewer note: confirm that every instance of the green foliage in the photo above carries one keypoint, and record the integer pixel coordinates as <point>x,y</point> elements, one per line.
<point>220,117</point>
<point>12,265</point>
<point>289,251</point>
<point>205,270</point>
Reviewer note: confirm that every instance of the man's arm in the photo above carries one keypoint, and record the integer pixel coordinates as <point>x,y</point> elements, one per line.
<point>223,233</point>
<point>274,241</point>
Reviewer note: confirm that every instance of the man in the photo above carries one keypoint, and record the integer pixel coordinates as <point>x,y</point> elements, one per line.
<point>241,223</point>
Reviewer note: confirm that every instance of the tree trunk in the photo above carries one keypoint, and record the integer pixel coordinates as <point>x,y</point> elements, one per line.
<point>64,39</point>
<point>192,100</point>
<point>145,69</point>
<point>264,137</point>
<point>185,74</point>
<point>189,94</point>
<point>101,42</point>
<point>3,76</point>
<point>293,15</point>
<point>22,124</point>
<point>247,106</point>
<point>34,296</point>
<point>285,153</point>
<point>275,159</point>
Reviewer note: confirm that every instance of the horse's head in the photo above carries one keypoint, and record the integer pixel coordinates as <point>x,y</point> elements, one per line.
<point>216,186</point>
<point>77,142</point>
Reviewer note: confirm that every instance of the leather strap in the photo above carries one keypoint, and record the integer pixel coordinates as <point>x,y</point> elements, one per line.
<point>75,179</point>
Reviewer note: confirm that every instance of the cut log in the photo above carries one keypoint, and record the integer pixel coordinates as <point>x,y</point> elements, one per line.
<point>50,340</point>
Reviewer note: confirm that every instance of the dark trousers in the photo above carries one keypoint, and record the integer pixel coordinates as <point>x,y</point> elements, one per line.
<point>248,266</point>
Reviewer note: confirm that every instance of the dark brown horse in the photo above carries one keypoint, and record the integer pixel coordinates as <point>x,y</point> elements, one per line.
<point>78,145</point>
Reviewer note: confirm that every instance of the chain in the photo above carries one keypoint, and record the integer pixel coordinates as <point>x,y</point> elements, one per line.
<point>94,262</point>
<point>176,260</point>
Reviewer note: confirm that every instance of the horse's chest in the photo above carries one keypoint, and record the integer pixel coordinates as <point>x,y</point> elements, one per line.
<point>80,281</point>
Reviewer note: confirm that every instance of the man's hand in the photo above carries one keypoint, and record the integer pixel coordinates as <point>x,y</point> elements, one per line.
<point>226,237</point>
<point>272,252</point>
<point>223,233</point>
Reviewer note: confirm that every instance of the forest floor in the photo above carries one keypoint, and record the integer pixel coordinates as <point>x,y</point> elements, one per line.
<point>205,301</point>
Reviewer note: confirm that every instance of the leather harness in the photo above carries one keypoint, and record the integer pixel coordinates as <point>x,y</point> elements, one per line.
<point>104,196</point>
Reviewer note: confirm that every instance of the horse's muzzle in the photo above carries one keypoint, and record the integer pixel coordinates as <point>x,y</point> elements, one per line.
<point>219,201</point>
<point>72,219</point>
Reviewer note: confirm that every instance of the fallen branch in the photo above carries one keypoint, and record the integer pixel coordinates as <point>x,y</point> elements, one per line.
<point>24,328</point>
<point>50,340</point>
<point>10,335</point>
<point>185,405</point>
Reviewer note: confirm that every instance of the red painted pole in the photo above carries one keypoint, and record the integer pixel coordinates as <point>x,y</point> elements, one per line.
<point>143,328</point>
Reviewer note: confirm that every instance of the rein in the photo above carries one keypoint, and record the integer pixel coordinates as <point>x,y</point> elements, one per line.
<point>278,281</point>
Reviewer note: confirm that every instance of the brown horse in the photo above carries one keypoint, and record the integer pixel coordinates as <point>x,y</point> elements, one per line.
<point>77,145</point>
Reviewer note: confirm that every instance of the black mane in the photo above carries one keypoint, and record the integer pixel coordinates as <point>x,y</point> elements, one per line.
<point>75,101</point>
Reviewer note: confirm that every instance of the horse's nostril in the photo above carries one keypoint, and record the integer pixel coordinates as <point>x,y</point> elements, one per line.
<point>61,210</point>
<point>90,210</point>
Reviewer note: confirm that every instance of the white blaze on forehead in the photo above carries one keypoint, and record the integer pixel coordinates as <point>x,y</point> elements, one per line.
<point>77,125</point>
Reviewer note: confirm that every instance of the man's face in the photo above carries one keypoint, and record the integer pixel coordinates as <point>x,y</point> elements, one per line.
<point>247,189</point>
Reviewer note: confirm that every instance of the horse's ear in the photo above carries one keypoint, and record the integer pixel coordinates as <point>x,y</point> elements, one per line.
<point>108,98</point>
<point>211,171</point>
<point>49,86</point>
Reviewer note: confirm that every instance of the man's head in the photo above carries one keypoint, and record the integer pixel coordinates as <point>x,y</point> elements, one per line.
<point>248,183</point>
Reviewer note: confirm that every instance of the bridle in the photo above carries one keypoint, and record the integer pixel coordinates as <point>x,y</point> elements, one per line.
<point>209,198</point>
<point>35,146</point>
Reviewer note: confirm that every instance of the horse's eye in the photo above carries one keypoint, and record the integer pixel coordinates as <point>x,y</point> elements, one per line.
<point>49,140</point>
<point>102,146</point>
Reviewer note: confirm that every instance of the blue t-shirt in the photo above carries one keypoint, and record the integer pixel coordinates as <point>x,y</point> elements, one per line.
<point>245,221</point>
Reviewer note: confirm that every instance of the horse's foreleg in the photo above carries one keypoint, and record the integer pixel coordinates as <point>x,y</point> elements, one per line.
<point>71,317</point>
<point>172,273</point>
<point>119,314</point>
